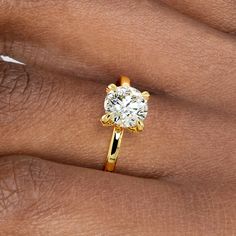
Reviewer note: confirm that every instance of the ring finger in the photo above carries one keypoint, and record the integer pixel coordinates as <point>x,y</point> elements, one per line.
<point>44,114</point>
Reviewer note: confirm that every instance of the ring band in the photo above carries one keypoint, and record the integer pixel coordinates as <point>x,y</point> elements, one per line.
<point>114,148</point>
<point>125,108</point>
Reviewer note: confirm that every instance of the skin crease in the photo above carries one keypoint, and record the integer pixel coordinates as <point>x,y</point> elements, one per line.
<point>51,109</point>
<point>219,14</point>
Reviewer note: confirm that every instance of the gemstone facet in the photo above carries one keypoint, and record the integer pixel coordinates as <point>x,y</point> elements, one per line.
<point>126,105</point>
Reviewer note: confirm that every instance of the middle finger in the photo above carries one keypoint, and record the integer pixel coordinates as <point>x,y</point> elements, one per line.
<point>147,41</point>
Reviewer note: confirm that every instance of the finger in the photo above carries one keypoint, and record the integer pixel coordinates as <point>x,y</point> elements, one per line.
<point>158,47</point>
<point>219,14</point>
<point>48,115</point>
<point>43,198</point>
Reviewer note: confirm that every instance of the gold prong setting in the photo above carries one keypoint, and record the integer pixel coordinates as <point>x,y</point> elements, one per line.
<point>111,87</point>
<point>107,120</point>
<point>125,106</point>
<point>138,128</point>
<point>146,95</point>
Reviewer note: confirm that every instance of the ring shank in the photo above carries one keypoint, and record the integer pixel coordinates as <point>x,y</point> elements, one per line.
<point>123,81</point>
<point>116,138</point>
<point>114,148</point>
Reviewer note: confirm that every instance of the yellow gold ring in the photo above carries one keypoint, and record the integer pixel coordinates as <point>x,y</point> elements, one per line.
<point>125,108</point>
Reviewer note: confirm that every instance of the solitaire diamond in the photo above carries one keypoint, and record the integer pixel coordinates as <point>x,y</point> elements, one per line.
<point>126,105</point>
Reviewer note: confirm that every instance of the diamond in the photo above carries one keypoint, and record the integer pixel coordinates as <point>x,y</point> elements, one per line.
<point>126,105</point>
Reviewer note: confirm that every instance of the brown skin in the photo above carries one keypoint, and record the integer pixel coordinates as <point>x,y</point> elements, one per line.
<point>50,109</point>
<point>219,14</point>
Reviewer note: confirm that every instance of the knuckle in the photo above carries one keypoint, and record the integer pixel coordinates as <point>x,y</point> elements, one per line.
<point>14,90</point>
<point>8,187</point>
<point>24,184</point>
<point>24,92</point>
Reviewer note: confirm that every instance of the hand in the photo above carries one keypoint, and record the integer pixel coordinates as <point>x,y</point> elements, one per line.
<point>51,108</point>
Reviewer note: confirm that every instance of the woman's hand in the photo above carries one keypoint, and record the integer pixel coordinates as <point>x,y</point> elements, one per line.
<point>51,108</point>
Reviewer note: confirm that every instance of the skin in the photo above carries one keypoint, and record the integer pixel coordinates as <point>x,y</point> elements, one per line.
<point>177,177</point>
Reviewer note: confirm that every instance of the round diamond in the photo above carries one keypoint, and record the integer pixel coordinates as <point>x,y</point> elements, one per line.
<point>126,106</point>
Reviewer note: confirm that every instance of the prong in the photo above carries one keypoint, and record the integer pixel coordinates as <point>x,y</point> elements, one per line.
<point>140,125</point>
<point>111,87</point>
<point>138,128</point>
<point>106,120</point>
<point>146,95</point>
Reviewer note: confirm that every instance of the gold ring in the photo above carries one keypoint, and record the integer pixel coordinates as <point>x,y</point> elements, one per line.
<point>125,108</point>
